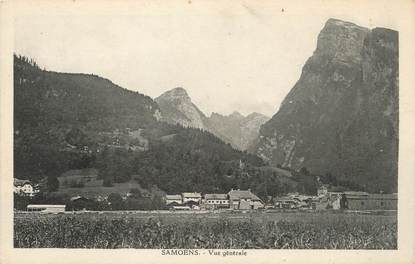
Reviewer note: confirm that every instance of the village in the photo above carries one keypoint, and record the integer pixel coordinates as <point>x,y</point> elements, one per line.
<point>235,200</point>
<point>246,200</point>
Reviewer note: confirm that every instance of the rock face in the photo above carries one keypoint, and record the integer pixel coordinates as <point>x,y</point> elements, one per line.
<point>341,117</point>
<point>177,108</point>
<point>241,131</point>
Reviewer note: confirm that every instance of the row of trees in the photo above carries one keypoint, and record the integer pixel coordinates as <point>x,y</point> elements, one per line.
<point>341,184</point>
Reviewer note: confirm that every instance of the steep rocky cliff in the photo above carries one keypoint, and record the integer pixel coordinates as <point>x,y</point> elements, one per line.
<point>177,108</point>
<point>341,117</point>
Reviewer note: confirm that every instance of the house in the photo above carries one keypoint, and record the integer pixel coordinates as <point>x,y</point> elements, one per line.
<point>191,196</point>
<point>24,188</point>
<point>80,203</point>
<point>46,208</point>
<point>366,201</point>
<point>320,203</point>
<point>244,200</point>
<point>216,200</point>
<point>335,200</point>
<point>322,190</point>
<point>304,201</point>
<point>173,198</point>
<point>146,194</point>
<point>286,203</point>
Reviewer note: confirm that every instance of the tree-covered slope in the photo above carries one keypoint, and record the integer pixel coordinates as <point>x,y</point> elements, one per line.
<point>52,110</point>
<point>56,99</point>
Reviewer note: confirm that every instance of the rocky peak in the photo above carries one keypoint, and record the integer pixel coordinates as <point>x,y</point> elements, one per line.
<point>236,115</point>
<point>216,115</point>
<point>177,108</point>
<point>178,93</point>
<point>341,41</point>
<point>341,117</point>
<point>254,115</point>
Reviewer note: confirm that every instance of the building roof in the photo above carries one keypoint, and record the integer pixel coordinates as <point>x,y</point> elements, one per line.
<point>383,196</point>
<point>75,198</point>
<point>173,204</point>
<point>285,199</point>
<point>352,194</point>
<point>216,196</point>
<point>45,205</point>
<point>242,194</point>
<point>78,197</point>
<point>18,182</point>
<point>191,195</point>
<point>173,197</point>
<point>356,193</point>
<point>302,199</point>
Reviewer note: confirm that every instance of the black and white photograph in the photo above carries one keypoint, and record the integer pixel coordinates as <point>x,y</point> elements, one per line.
<point>200,128</point>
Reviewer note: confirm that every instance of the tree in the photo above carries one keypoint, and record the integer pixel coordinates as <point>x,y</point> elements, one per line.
<point>52,184</point>
<point>116,202</point>
<point>307,181</point>
<point>21,202</point>
<point>304,171</point>
<point>158,202</point>
<point>135,193</point>
<point>107,183</point>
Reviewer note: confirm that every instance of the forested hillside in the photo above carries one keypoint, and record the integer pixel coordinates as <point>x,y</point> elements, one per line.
<point>45,98</point>
<point>52,110</point>
<point>187,160</point>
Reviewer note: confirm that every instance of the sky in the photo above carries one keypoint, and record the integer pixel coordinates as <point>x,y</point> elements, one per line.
<point>244,57</point>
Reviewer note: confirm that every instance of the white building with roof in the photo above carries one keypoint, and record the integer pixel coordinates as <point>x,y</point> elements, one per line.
<point>46,208</point>
<point>24,187</point>
<point>216,200</point>
<point>191,196</point>
<point>173,198</point>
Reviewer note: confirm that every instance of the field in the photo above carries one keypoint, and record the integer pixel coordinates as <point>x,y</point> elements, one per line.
<point>265,230</point>
<point>93,187</point>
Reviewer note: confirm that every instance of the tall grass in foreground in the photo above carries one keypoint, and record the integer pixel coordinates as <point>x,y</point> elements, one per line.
<point>103,231</point>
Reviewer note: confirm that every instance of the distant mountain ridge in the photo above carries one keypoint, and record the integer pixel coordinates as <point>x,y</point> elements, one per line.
<point>341,117</point>
<point>241,130</point>
<point>177,108</point>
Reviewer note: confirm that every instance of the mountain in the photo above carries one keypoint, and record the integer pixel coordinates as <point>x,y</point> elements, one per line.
<point>240,130</point>
<point>60,118</point>
<point>51,98</point>
<point>341,117</point>
<point>177,108</point>
<point>81,122</point>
